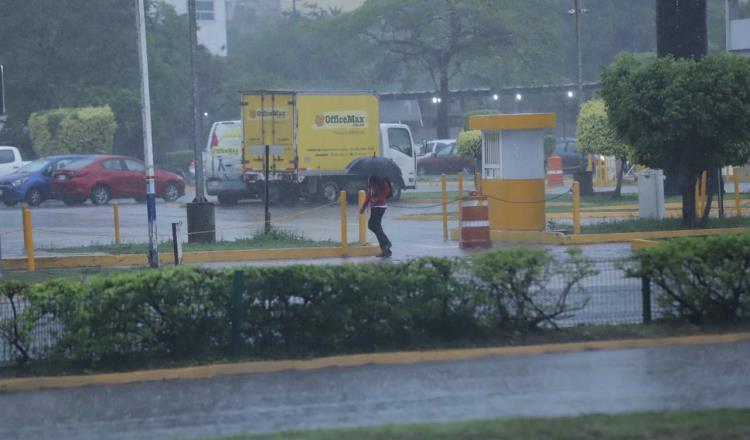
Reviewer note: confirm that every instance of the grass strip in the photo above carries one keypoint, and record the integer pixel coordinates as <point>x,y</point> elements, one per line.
<point>277,239</point>
<point>693,425</point>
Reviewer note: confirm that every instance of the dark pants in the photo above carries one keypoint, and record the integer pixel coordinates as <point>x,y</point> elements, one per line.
<point>376,216</point>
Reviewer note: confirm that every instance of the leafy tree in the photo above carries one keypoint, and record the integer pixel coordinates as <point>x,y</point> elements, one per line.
<point>683,116</point>
<point>596,136</point>
<point>442,36</point>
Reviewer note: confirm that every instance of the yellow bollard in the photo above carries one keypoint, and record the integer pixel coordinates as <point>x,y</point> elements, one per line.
<point>362,220</point>
<point>460,193</point>
<point>736,178</point>
<point>576,208</point>
<point>344,239</point>
<point>445,206</point>
<point>28,240</point>
<point>116,213</point>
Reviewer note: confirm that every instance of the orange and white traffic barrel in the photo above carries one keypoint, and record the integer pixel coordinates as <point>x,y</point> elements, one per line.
<point>475,223</point>
<point>555,171</point>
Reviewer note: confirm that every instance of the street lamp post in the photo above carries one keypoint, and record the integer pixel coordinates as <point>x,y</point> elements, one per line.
<point>577,11</point>
<point>201,217</point>
<point>153,254</point>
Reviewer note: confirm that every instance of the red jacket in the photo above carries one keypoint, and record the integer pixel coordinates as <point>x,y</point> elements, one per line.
<point>377,193</point>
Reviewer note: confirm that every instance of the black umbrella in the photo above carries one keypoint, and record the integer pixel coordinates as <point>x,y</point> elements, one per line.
<point>375,166</point>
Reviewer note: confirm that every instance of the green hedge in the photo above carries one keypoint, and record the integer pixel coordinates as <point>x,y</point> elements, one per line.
<point>469,145</point>
<point>73,130</point>
<point>180,159</point>
<point>187,312</point>
<point>703,279</point>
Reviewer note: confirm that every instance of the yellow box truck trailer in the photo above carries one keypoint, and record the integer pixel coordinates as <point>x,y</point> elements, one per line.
<point>313,138</point>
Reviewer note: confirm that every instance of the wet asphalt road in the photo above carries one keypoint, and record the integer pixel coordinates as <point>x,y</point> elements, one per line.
<point>667,378</point>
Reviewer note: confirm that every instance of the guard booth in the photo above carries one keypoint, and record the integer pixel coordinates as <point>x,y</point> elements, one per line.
<point>513,168</point>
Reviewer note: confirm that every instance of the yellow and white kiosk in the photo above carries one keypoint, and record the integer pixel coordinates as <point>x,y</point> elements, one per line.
<point>513,176</point>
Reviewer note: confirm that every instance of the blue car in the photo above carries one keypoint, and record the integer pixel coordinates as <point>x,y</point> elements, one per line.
<point>31,183</point>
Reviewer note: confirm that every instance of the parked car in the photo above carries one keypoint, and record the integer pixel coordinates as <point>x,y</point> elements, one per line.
<point>31,183</point>
<point>444,160</point>
<point>429,147</point>
<point>10,160</point>
<point>102,178</point>
<point>572,159</point>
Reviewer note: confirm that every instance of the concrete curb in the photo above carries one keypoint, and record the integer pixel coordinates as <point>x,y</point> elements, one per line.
<point>398,358</point>
<point>79,261</point>
<point>536,237</point>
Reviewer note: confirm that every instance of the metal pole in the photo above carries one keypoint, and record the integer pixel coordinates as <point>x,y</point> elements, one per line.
<point>1,256</point>
<point>28,240</point>
<point>444,203</point>
<point>153,254</point>
<point>267,212</point>
<point>580,52</point>
<point>344,223</point>
<point>362,221</point>
<point>576,208</point>
<point>720,194</point>
<point>200,177</point>
<point>736,181</point>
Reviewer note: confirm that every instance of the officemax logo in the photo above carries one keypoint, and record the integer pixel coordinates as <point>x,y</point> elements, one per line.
<point>341,120</point>
<point>275,114</point>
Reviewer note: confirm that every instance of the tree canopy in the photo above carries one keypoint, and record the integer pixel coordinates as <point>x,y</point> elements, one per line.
<point>682,116</point>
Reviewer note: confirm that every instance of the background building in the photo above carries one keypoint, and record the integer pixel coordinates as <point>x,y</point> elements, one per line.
<point>738,26</point>
<point>212,23</point>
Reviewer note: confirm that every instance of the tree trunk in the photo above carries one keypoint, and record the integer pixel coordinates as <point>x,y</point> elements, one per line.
<point>681,28</point>
<point>687,188</point>
<point>620,173</point>
<point>710,188</point>
<point>443,127</point>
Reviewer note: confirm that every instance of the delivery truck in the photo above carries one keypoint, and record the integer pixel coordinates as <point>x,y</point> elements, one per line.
<point>312,140</point>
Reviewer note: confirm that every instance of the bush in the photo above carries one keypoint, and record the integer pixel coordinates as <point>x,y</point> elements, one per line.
<point>469,145</point>
<point>703,279</point>
<point>516,285</point>
<point>179,159</point>
<point>73,130</point>
<point>186,313</point>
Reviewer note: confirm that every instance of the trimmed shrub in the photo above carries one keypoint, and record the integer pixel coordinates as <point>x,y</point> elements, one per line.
<point>180,159</point>
<point>187,312</point>
<point>516,285</point>
<point>73,130</point>
<point>469,145</point>
<point>703,279</point>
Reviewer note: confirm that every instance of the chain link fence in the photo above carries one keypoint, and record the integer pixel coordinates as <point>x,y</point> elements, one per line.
<point>608,297</point>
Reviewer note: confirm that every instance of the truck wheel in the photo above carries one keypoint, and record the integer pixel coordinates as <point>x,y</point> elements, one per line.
<point>396,191</point>
<point>227,200</point>
<point>329,191</point>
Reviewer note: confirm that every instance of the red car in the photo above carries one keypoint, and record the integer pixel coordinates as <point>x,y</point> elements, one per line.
<point>101,178</point>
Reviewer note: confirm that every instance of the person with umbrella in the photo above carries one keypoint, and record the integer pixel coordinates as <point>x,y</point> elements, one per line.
<point>378,190</point>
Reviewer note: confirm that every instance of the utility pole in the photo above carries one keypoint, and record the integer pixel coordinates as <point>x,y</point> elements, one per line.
<point>577,11</point>
<point>153,253</point>
<point>201,217</point>
<point>200,189</point>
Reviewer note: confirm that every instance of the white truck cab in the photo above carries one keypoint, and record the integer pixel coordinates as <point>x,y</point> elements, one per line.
<point>397,144</point>
<point>10,160</point>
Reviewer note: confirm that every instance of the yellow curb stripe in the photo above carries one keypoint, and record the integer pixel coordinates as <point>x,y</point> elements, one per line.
<point>398,358</point>
<point>553,238</point>
<point>75,261</point>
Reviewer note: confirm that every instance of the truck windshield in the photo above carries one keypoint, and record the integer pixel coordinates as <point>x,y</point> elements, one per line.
<point>400,140</point>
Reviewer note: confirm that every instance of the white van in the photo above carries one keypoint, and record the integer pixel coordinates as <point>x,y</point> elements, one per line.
<point>10,160</point>
<point>223,163</point>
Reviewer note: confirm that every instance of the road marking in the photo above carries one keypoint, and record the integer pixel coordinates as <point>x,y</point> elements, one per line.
<point>397,358</point>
